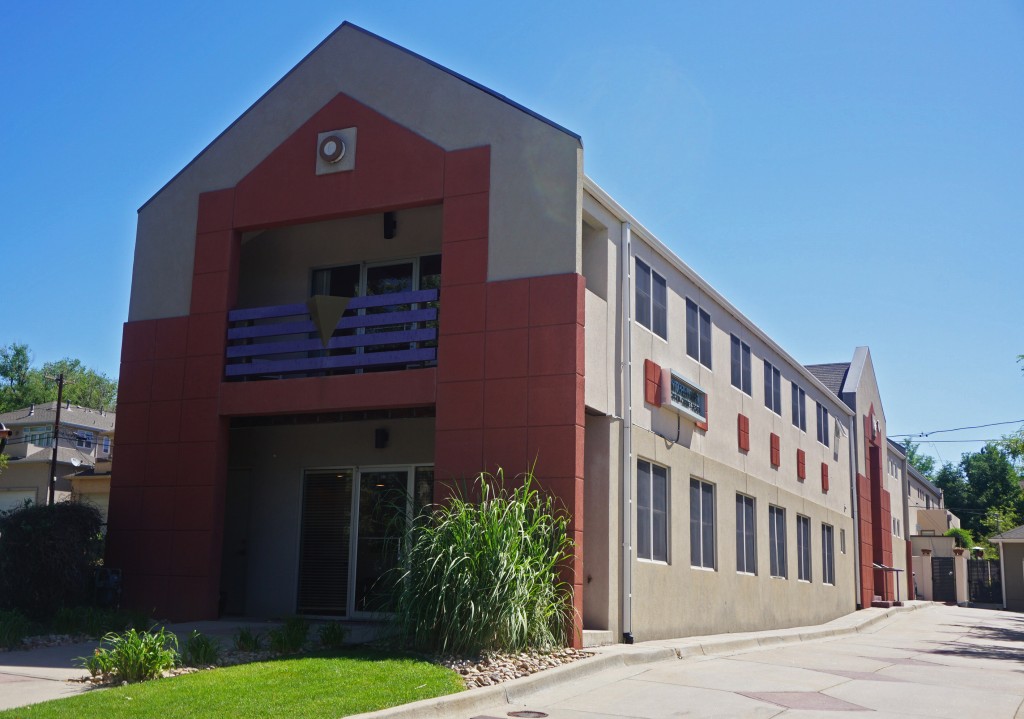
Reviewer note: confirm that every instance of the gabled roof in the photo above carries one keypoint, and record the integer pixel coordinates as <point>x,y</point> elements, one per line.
<point>831,375</point>
<point>70,415</point>
<point>350,26</point>
<point>1014,535</point>
<point>65,455</point>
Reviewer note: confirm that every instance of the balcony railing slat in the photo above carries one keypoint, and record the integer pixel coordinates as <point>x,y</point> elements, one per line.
<point>356,303</point>
<point>346,323</point>
<point>313,364</point>
<point>312,345</point>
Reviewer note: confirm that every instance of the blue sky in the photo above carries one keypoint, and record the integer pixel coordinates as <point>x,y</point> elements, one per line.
<point>845,173</point>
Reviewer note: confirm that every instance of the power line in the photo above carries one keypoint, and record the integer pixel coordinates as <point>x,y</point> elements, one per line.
<point>957,429</point>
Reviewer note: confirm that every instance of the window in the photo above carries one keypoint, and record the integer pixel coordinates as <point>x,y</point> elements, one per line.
<point>777,540</point>
<point>83,440</point>
<point>652,511</point>
<point>702,524</point>
<point>822,424</point>
<point>842,541</point>
<point>803,548</point>
<point>106,445</point>
<point>39,436</point>
<point>772,388</point>
<point>828,557</point>
<point>651,300</point>
<point>799,408</point>
<point>746,542</point>
<point>698,333</point>
<point>741,365</point>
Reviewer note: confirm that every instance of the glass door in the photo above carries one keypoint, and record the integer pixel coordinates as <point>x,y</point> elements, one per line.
<point>383,515</point>
<point>324,543</point>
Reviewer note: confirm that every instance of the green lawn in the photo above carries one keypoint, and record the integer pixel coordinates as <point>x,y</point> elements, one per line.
<point>325,685</point>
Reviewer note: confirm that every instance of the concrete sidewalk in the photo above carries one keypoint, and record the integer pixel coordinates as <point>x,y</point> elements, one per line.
<point>621,660</point>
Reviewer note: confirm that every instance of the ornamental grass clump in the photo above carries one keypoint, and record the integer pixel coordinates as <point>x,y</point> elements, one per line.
<point>485,575</point>
<point>133,656</point>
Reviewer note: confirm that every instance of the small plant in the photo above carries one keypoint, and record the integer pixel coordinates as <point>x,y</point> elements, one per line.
<point>200,650</point>
<point>290,636</point>
<point>133,656</point>
<point>333,635</point>
<point>247,640</point>
<point>14,627</point>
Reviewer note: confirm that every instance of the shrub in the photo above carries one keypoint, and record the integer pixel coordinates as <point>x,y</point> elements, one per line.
<point>96,621</point>
<point>14,627</point>
<point>247,640</point>
<point>200,650</point>
<point>290,636</point>
<point>961,537</point>
<point>333,635</point>
<point>485,575</point>
<point>133,656</point>
<point>47,557</point>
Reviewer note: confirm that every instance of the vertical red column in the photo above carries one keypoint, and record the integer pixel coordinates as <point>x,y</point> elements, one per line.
<point>510,361</point>
<point>167,494</point>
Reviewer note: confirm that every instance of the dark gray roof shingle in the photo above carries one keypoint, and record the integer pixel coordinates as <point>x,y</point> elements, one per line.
<point>1015,533</point>
<point>830,375</point>
<point>74,416</point>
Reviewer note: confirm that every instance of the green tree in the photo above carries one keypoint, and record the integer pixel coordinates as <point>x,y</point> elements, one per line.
<point>955,490</point>
<point>983,490</point>
<point>22,385</point>
<point>921,462</point>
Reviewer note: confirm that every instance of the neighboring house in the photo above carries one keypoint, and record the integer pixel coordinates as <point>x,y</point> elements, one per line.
<point>1011,567</point>
<point>85,438</point>
<point>885,575</point>
<point>497,309</point>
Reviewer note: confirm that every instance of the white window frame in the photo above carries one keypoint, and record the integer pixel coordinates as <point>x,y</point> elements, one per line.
<point>746,534</point>
<point>84,439</point>
<point>649,307</point>
<point>698,345</point>
<point>702,520</point>
<point>646,523</point>
<point>741,363</point>
<point>822,421</point>
<point>777,542</point>
<point>803,548</point>
<point>799,398</point>
<point>772,388</point>
<point>106,445</point>
<point>828,554</point>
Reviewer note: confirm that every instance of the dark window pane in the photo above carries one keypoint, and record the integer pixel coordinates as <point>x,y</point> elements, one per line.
<point>705,339</point>
<point>747,382</point>
<point>776,392</point>
<point>643,510</point>
<point>767,385</point>
<point>695,523</point>
<point>659,513</point>
<point>737,363</point>
<point>708,525</point>
<point>692,332</point>
<point>659,299</point>
<point>643,294</point>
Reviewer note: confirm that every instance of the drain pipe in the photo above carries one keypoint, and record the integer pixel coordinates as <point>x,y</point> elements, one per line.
<point>854,496</point>
<point>626,374</point>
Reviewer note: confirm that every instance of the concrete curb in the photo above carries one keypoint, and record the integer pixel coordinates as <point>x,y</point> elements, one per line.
<point>514,692</point>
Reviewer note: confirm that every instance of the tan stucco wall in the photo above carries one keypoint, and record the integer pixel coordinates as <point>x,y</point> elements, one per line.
<point>34,477</point>
<point>269,464</point>
<point>536,169</point>
<point>276,265</point>
<point>674,599</point>
<point>602,516</point>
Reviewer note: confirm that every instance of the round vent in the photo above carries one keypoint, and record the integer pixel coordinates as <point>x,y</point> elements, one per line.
<point>332,149</point>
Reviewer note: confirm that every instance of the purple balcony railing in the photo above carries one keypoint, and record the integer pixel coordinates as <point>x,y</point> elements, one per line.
<point>380,332</point>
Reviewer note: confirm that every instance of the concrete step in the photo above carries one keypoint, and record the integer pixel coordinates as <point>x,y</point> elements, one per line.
<point>597,638</point>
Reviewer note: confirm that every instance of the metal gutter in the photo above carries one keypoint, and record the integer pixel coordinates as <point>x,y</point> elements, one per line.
<point>626,374</point>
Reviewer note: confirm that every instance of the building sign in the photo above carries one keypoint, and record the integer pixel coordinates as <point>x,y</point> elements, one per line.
<point>684,396</point>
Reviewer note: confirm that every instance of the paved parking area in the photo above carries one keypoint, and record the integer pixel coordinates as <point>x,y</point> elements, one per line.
<point>935,662</point>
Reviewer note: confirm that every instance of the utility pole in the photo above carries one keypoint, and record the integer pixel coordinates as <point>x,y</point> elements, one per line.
<point>56,437</point>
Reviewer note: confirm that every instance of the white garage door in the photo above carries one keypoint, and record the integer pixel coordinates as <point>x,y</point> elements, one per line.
<point>13,498</point>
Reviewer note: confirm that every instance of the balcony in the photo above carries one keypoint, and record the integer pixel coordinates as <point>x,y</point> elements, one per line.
<point>384,332</point>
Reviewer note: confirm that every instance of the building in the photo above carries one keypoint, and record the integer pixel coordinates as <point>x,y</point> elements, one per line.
<point>85,439</point>
<point>384,278</point>
<point>1011,567</point>
<point>884,574</point>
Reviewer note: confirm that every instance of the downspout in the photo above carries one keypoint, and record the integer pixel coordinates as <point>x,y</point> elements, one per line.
<point>908,545</point>
<point>626,374</point>
<point>853,501</point>
<point>1002,570</point>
